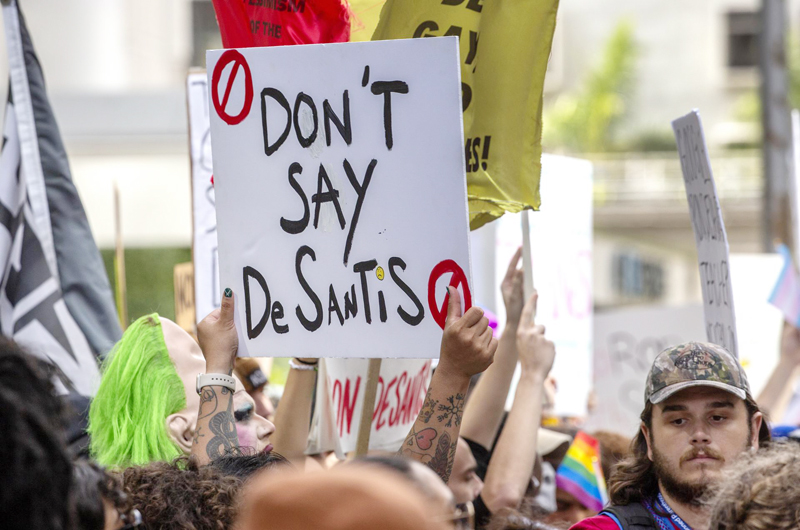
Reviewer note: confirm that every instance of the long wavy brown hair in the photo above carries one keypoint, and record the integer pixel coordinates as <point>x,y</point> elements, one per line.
<point>634,478</point>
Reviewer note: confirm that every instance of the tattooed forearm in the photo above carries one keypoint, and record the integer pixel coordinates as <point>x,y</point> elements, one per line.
<point>216,427</point>
<point>452,410</point>
<point>428,408</point>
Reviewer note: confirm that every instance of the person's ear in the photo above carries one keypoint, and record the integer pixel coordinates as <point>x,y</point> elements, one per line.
<point>646,434</point>
<point>181,431</point>
<point>755,429</point>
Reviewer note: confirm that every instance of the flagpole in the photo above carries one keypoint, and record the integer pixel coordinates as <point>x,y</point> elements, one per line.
<point>119,264</point>
<point>527,258</point>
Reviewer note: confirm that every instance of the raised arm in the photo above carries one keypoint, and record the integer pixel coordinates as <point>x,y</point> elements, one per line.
<point>467,349</point>
<point>514,455</point>
<point>484,411</point>
<point>216,427</point>
<point>293,415</point>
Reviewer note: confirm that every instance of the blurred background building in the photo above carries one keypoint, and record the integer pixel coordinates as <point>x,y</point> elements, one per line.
<point>620,71</point>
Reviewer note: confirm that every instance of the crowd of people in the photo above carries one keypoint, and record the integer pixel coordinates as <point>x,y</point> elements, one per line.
<point>182,435</point>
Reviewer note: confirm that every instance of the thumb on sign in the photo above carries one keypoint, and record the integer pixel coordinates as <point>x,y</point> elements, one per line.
<point>218,338</point>
<point>468,345</point>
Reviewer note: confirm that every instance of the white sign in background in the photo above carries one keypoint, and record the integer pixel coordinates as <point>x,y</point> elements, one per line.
<point>207,290</point>
<point>561,243</point>
<point>709,232</point>
<point>401,391</point>
<point>341,194</point>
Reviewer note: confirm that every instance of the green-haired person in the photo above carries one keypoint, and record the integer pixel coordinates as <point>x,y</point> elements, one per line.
<point>147,405</point>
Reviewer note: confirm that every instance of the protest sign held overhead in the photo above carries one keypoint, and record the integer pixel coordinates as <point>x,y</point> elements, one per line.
<point>204,216</point>
<point>279,22</point>
<point>340,194</point>
<point>505,47</point>
<point>709,232</point>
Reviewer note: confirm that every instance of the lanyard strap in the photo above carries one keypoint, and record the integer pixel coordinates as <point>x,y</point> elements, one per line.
<point>674,516</point>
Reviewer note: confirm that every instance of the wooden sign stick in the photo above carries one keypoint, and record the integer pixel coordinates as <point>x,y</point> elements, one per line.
<point>119,264</point>
<point>527,258</point>
<point>370,389</point>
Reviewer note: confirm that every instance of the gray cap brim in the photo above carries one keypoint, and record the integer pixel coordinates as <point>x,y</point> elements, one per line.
<point>666,392</point>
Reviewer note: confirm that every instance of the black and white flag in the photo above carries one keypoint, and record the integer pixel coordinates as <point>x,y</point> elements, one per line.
<point>55,299</point>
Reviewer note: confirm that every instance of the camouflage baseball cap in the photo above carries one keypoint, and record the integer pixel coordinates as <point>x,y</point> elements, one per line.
<point>694,364</point>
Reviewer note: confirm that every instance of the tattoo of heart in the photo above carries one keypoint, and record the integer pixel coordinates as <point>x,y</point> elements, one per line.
<point>428,408</point>
<point>223,426</point>
<point>452,412</point>
<point>424,438</point>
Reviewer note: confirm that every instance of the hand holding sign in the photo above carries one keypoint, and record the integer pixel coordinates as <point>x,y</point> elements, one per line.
<point>468,345</point>
<point>536,353</point>
<point>218,338</point>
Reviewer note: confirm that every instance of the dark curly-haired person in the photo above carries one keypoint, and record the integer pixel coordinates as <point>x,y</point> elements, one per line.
<point>699,416</point>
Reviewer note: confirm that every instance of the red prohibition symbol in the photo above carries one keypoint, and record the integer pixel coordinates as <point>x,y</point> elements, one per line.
<point>459,279</point>
<point>238,60</point>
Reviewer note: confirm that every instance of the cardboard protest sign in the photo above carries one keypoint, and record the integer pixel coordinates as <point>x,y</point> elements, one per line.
<point>340,194</point>
<point>709,232</point>
<point>183,284</point>
<point>402,387</point>
<point>561,244</point>
<point>502,81</point>
<point>625,343</point>
<point>207,291</point>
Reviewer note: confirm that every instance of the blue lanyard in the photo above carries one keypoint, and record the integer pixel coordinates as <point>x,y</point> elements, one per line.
<point>674,516</point>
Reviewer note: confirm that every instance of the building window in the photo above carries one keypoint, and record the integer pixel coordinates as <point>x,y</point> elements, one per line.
<point>205,32</point>
<point>743,35</point>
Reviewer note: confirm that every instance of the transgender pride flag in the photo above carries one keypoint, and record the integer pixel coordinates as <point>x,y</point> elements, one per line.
<point>580,473</point>
<point>786,294</point>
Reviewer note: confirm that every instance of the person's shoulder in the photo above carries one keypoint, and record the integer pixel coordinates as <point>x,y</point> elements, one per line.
<point>598,522</point>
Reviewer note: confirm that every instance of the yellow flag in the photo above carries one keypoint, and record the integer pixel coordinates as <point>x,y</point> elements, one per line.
<point>505,45</point>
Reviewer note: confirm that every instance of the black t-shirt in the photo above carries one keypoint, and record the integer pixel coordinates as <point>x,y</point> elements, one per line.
<point>482,457</point>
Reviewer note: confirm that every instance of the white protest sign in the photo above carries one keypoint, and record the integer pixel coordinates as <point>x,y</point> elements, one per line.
<point>561,246</point>
<point>625,343</point>
<point>402,387</point>
<point>207,291</point>
<point>709,232</point>
<point>341,195</point>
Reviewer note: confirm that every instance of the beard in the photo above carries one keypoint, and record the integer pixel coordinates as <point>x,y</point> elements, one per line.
<point>685,492</point>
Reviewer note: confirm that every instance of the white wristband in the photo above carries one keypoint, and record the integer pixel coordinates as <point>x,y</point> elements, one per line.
<point>222,380</point>
<point>296,366</point>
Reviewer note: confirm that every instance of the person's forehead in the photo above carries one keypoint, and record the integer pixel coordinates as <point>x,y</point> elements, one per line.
<point>464,459</point>
<point>699,396</point>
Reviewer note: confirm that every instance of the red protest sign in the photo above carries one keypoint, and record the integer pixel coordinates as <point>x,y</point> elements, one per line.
<point>459,279</point>
<point>220,105</point>
<point>249,23</point>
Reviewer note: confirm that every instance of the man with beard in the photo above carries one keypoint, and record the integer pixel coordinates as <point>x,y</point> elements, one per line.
<point>698,416</point>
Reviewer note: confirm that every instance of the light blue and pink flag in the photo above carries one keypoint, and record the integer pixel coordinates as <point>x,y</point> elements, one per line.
<point>786,293</point>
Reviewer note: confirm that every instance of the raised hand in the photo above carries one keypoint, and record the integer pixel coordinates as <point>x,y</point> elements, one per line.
<point>536,353</point>
<point>512,290</point>
<point>468,344</point>
<point>218,338</point>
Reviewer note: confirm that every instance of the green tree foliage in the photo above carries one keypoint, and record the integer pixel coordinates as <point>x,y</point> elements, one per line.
<point>585,121</point>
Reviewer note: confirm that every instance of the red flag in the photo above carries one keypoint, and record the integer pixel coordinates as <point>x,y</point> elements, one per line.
<point>249,23</point>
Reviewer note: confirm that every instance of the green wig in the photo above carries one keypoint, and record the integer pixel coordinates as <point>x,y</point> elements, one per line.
<point>139,388</point>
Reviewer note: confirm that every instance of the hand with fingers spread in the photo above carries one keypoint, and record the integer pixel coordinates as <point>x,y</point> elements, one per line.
<point>218,338</point>
<point>536,353</point>
<point>468,344</point>
<point>511,288</point>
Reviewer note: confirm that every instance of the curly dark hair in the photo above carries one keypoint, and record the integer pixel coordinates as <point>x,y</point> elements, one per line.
<point>634,479</point>
<point>182,495</point>
<point>244,462</point>
<point>37,473</point>
<point>91,485</point>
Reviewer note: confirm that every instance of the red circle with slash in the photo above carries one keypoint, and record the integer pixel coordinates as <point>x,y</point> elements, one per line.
<point>238,60</point>
<point>458,279</point>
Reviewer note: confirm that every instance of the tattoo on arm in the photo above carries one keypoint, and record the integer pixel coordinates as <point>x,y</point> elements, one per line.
<point>452,412</point>
<point>442,461</point>
<point>221,423</point>
<point>428,408</point>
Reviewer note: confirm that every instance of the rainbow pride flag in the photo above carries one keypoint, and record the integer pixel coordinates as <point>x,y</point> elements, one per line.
<point>580,473</point>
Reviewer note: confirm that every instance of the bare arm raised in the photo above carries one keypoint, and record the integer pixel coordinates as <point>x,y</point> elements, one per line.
<point>216,427</point>
<point>467,349</point>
